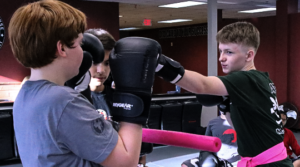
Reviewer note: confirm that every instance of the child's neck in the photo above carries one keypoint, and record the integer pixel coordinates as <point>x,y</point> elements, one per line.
<point>223,116</point>
<point>45,74</point>
<point>100,88</point>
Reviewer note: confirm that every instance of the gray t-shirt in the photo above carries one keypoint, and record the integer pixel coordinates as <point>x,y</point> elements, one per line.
<point>220,128</point>
<point>56,126</point>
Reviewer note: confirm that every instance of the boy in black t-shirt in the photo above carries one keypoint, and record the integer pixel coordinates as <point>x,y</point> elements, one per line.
<point>253,101</point>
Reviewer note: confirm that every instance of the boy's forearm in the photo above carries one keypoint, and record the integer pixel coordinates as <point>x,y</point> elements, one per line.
<point>131,135</point>
<point>200,84</point>
<point>192,81</point>
<point>127,150</point>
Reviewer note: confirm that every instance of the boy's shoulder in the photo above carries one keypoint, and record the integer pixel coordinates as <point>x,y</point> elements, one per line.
<point>47,89</point>
<point>245,75</point>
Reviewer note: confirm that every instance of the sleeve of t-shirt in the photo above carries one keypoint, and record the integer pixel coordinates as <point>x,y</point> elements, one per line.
<point>208,130</point>
<point>293,142</point>
<point>237,86</point>
<point>85,132</point>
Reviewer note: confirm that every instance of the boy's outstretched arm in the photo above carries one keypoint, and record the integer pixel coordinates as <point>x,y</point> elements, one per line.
<point>172,71</point>
<point>200,84</point>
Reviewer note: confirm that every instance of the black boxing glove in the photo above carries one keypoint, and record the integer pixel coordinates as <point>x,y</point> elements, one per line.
<point>132,63</point>
<point>91,44</point>
<point>209,100</point>
<point>169,69</point>
<point>86,63</point>
<point>93,52</point>
<point>224,106</point>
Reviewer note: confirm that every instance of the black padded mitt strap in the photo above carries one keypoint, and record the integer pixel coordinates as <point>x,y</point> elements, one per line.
<point>127,105</point>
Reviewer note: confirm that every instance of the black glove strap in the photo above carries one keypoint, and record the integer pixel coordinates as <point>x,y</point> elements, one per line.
<point>127,105</point>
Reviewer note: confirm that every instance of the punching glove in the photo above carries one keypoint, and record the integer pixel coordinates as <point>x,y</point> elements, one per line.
<point>93,53</point>
<point>224,106</point>
<point>91,44</point>
<point>168,69</point>
<point>132,63</point>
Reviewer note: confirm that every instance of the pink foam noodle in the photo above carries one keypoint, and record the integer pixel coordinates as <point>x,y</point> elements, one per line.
<point>181,139</point>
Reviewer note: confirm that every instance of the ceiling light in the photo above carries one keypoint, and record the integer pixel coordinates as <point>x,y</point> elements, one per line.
<point>258,10</point>
<point>120,16</point>
<point>129,28</point>
<point>182,4</point>
<point>267,6</point>
<point>224,2</point>
<point>174,21</point>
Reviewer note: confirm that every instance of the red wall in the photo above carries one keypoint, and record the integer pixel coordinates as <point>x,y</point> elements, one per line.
<point>99,14</point>
<point>294,60</point>
<point>264,60</point>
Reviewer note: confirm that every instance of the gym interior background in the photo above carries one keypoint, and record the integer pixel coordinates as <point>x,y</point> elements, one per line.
<point>278,53</point>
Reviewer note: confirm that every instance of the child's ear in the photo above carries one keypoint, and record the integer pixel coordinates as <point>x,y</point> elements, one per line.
<point>250,55</point>
<point>60,51</point>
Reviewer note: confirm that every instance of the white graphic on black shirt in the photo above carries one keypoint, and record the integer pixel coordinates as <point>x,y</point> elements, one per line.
<point>275,107</point>
<point>274,110</point>
<point>280,131</point>
<point>279,122</point>
<point>273,88</point>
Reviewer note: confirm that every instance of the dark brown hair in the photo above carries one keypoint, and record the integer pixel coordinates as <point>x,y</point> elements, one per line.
<point>108,41</point>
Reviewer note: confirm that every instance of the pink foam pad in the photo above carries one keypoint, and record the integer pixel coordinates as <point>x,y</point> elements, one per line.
<point>181,139</point>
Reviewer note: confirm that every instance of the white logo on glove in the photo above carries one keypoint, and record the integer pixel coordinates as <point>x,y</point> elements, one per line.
<point>123,105</point>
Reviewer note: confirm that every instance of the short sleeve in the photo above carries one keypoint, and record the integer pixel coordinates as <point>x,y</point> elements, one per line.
<point>208,130</point>
<point>85,132</point>
<point>237,85</point>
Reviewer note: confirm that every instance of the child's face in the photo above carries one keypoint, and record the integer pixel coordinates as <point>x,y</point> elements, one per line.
<point>100,72</point>
<point>232,57</point>
<point>76,55</point>
<point>283,118</point>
